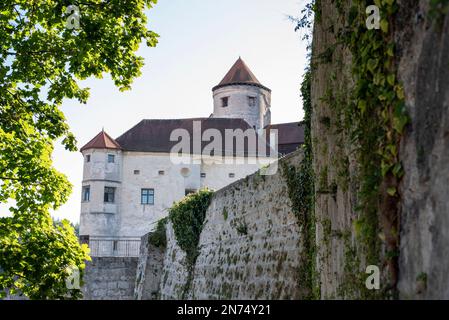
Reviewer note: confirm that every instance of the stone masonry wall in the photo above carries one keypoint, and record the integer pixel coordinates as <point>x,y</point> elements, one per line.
<point>149,270</point>
<point>422,55</point>
<point>334,161</point>
<point>110,278</point>
<point>174,274</point>
<point>423,46</point>
<point>250,245</point>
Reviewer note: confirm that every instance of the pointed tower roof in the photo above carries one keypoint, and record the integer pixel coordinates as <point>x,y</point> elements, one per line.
<point>240,74</point>
<point>101,141</point>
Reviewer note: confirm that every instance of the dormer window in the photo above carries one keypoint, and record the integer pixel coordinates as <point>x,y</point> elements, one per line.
<point>224,102</point>
<point>111,158</point>
<point>252,101</point>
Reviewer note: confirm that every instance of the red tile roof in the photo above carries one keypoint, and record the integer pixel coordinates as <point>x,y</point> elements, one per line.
<point>240,74</point>
<point>101,141</point>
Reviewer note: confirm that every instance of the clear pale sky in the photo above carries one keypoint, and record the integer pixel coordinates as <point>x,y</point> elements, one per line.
<point>199,41</point>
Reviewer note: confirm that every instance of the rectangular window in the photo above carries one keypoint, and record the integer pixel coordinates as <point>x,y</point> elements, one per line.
<point>189,191</point>
<point>147,196</point>
<point>136,171</point>
<point>86,193</point>
<point>111,158</point>
<point>203,175</point>
<point>231,175</point>
<point>161,172</point>
<point>109,194</point>
<point>252,101</point>
<point>224,102</point>
<point>88,158</point>
<point>84,239</point>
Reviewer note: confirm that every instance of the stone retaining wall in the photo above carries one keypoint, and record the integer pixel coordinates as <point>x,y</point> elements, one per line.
<point>110,278</point>
<point>250,245</point>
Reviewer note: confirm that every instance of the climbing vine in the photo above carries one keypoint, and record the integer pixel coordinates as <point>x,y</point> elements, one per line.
<point>300,180</point>
<point>374,119</point>
<point>158,237</point>
<point>187,217</point>
<point>300,184</point>
<point>378,120</point>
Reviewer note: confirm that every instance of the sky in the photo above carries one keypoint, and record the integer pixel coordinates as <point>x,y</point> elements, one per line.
<point>199,42</point>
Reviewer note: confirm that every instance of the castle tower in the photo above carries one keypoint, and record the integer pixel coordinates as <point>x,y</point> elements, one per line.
<point>100,198</point>
<point>241,95</point>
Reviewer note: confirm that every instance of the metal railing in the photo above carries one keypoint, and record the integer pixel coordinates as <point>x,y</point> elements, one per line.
<point>111,246</point>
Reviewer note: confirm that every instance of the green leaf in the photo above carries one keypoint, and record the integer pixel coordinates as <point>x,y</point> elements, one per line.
<point>384,25</point>
<point>362,105</point>
<point>397,170</point>
<point>391,191</point>
<point>385,168</point>
<point>391,79</point>
<point>372,65</point>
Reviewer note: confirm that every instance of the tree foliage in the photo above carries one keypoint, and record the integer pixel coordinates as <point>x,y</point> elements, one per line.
<point>41,61</point>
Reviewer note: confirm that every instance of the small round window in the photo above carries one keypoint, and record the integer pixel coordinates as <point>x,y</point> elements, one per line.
<point>185,172</point>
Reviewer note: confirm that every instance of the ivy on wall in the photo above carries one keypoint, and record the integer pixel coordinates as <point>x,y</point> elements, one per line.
<point>375,119</point>
<point>300,184</point>
<point>158,237</point>
<point>187,217</point>
<point>301,180</point>
<point>378,120</point>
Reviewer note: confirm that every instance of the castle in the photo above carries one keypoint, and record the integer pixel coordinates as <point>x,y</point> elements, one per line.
<point>130,182</point>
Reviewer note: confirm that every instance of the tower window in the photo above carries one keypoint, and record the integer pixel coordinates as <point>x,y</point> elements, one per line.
<point>147,196</point>
<point>224,101</point>
<point>111,158</point>
<point>88,158</point>
<point>252,101</point>
<point>86,193</point>
<point>109,194</point>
